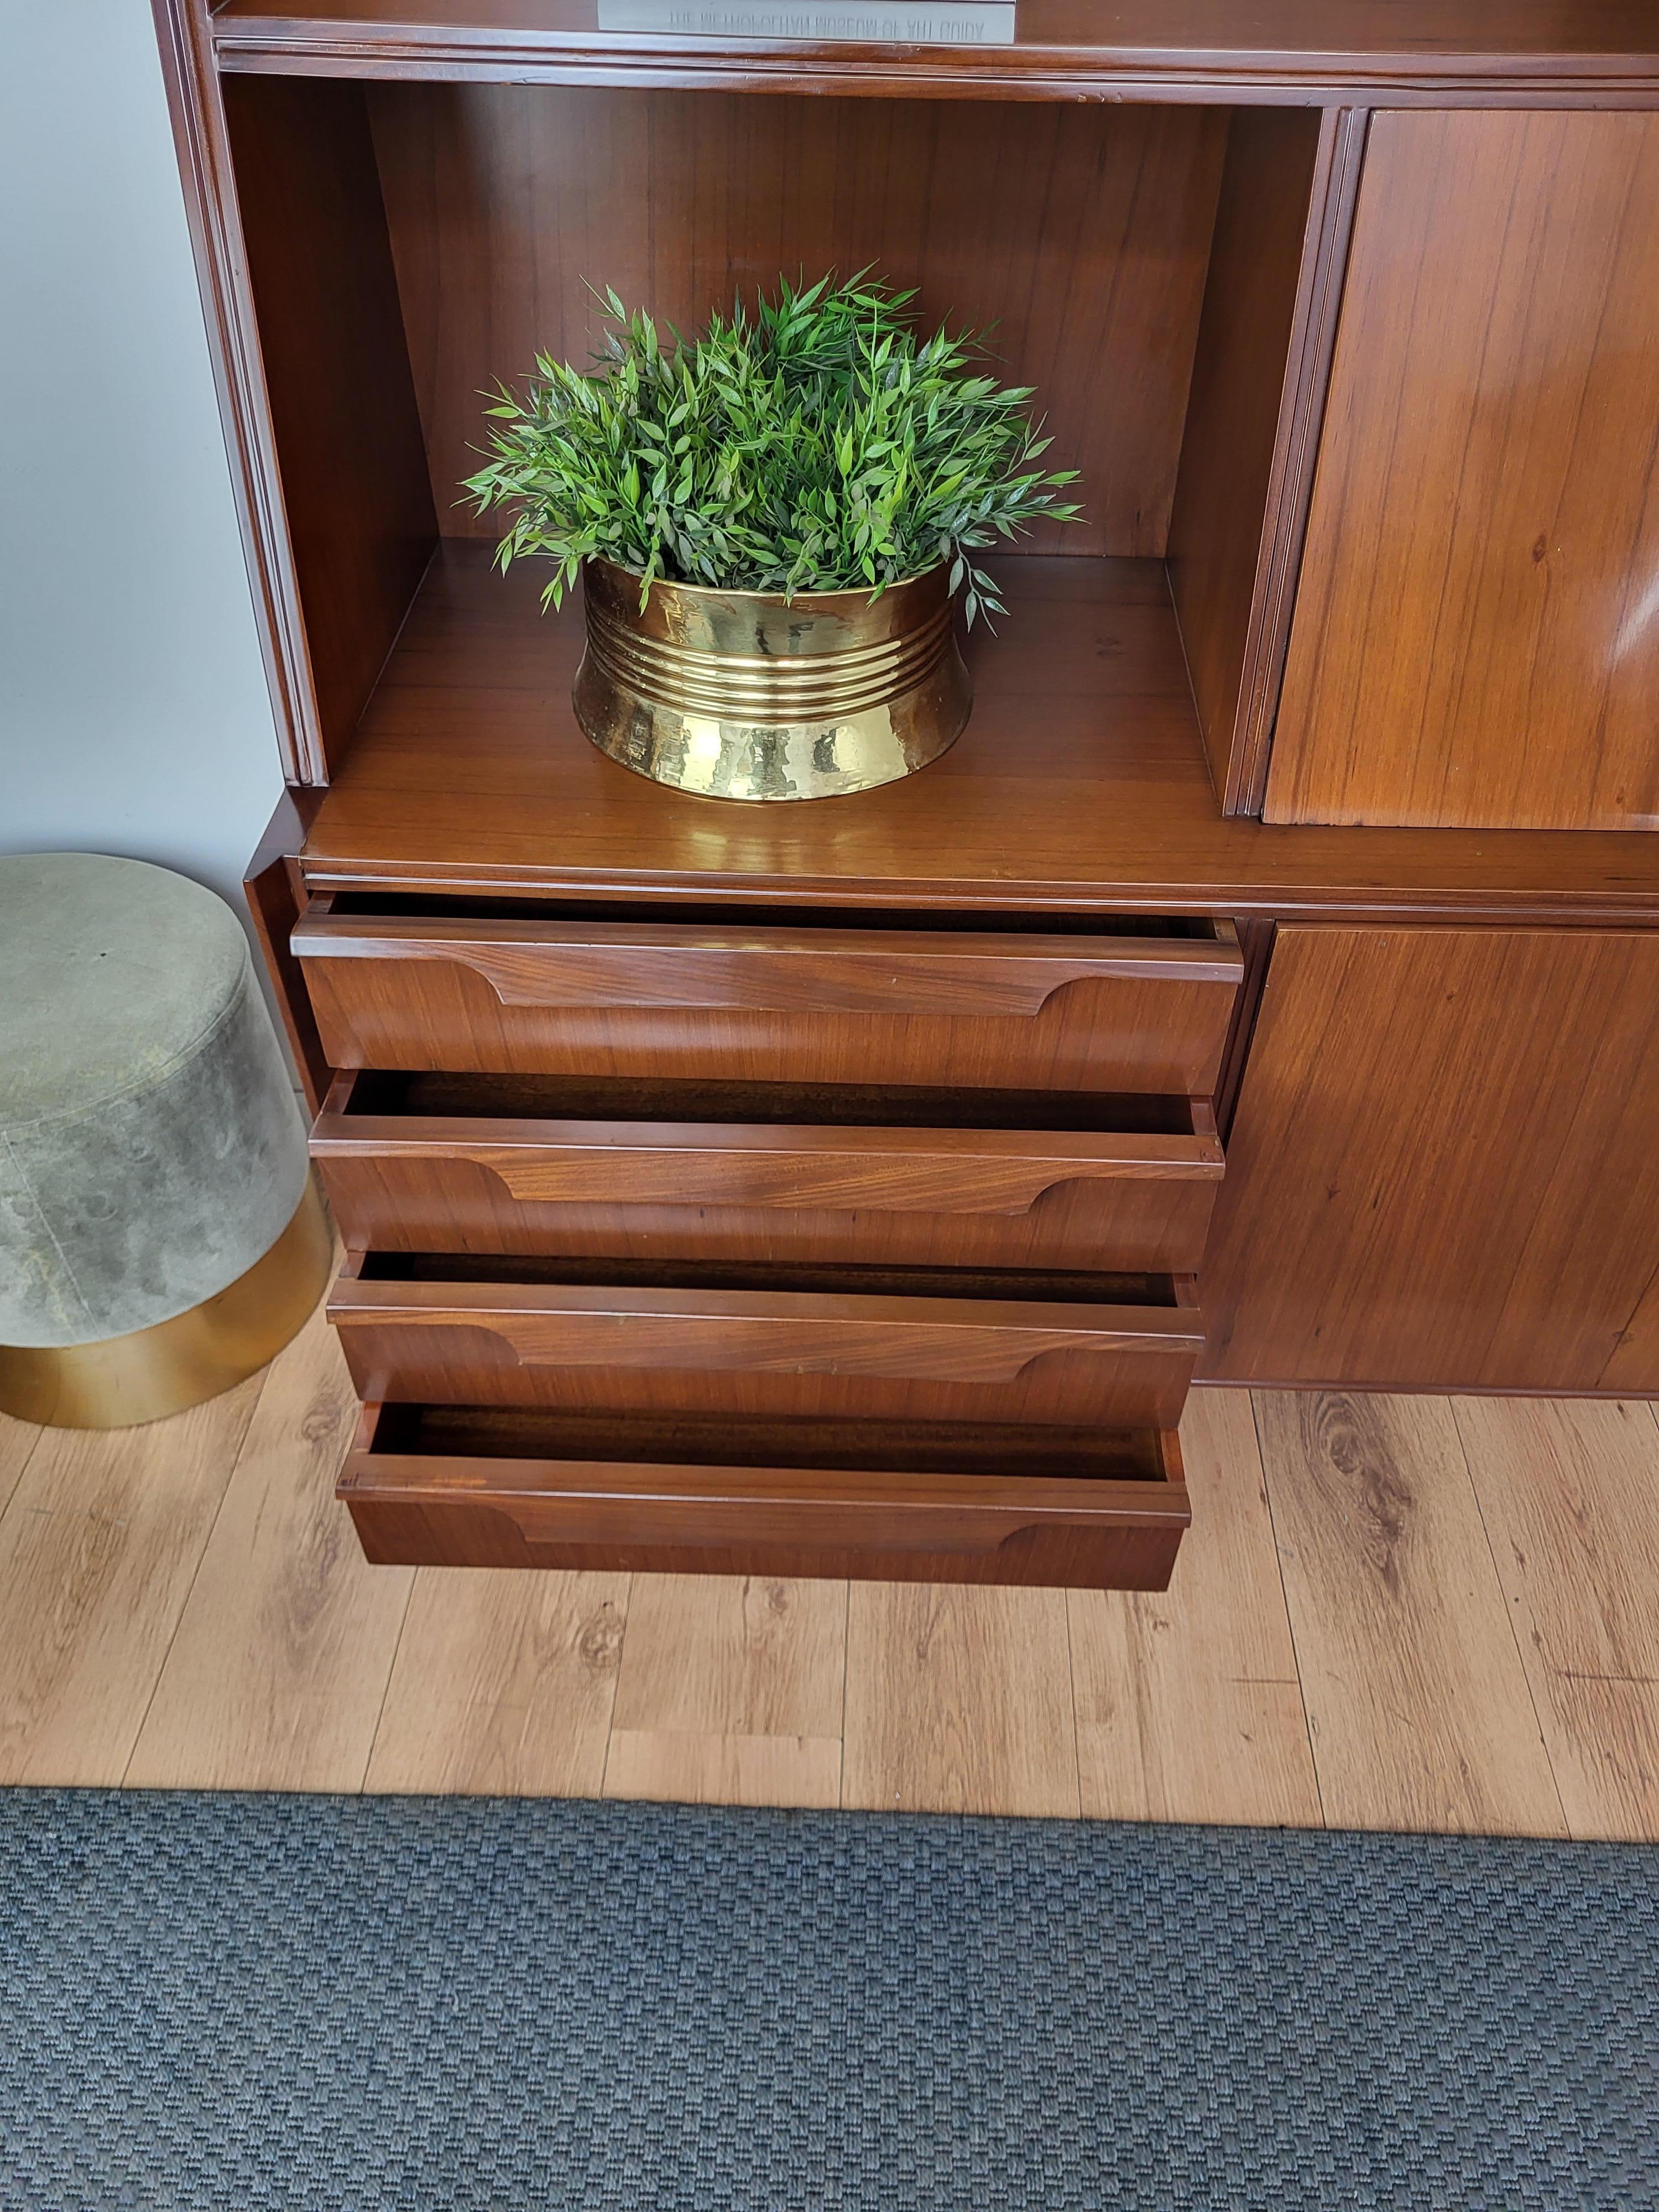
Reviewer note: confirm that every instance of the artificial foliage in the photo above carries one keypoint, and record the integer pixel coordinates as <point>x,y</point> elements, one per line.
<point>816,444</point>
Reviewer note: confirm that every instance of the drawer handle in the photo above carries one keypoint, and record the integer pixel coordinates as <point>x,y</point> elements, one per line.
<point>942,1353</point>
<point>913,1183</point>
<point>899,978</point>
<point>623,1506</point>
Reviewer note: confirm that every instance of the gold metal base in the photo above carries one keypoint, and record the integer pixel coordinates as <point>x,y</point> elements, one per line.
<point>746,695</point>
<point>125,1381</point>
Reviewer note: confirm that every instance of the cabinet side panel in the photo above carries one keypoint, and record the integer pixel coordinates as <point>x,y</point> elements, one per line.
<point>1476,640</point>
<point>1079,234</point>
<point>342,397</point>
<point>196,108</point>
<point>1239,393</point>
<point>271,886</point>
<point>1442,1175</point>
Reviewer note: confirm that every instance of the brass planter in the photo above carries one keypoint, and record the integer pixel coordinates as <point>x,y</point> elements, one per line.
<point>743,695</point>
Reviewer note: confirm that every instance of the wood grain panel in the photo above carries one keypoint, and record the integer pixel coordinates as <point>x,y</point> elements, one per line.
<point>354,487</point>
<point>985,1197</point>
<point>1188,1705</point>
<point>98,1550</point>
<point>1441,1174</point>
<point>1570,1495</point>
<point>659,999</point>
<point>1080,233</point>
<point>1177,49</point>
<point>276,1677</point>
<point>503,1684</point>
<point>958,1701</point>
<point>1476,637</point>
<point>1417,1702</point>
<point>731,1692</point>
<point>1635,1360</point>
<point>1237,451</point>
<point>275,894</point>
<point>1079,785</point>
<point>767,1354</point>
<point>832,1522</point>
<point>196,100</point>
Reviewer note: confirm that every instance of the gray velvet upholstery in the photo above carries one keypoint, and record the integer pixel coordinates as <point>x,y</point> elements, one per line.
<point>151,1147</point>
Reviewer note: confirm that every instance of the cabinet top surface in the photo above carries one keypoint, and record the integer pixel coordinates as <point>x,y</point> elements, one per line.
<point>1079,783</point>
<point>1208,45</point>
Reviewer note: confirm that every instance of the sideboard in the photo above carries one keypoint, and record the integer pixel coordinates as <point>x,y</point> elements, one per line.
<point>1263,989</point>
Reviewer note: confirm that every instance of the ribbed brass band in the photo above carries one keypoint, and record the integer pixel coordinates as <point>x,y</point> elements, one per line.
<point>124,1381</point>
<point>750,688</point>
<point>750,695</point>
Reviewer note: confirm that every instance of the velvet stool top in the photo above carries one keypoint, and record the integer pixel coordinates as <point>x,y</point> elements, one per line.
<point>160,1236</point>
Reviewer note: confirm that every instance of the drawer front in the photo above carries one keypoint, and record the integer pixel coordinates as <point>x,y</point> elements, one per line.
<point>870,1523</point>
<point>877,1197</point>
<point>766,1355</point>
<point>1111,1012</point>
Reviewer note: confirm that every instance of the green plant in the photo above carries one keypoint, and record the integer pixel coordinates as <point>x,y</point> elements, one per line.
<point>815,445</point>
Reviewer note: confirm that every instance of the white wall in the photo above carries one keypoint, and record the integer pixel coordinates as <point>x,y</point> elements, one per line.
<point>134,716</point>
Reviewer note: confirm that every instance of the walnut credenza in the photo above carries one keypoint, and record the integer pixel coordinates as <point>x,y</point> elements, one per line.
<point>1263,989</point>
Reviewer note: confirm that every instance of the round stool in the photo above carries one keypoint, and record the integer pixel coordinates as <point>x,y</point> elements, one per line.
<point>161,1236</point>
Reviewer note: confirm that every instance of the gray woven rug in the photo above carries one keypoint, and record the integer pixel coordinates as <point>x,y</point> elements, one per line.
<point>448,2003</point>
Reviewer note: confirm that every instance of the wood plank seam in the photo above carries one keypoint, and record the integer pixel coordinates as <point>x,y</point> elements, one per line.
<point>386,1688</point>
<point>184,1607</point>
<point>1290,1617</point>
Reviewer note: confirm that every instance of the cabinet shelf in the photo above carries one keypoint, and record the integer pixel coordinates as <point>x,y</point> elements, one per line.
<point>1079,783</point>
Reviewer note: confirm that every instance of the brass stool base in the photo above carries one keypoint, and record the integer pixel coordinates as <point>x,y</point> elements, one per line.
<point>125,1381</point>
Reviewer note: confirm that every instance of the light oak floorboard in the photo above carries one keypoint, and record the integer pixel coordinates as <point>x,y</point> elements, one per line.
<point>1569,1493</point>
<point>1417,1702</point>
<point>1188,1707</point>
<point>503,1684</point>
<point>958,1699</point>
<point>275,1678</point>
<point>730,1692</point>
<point>723,1770</point>
<point>98,1547</point>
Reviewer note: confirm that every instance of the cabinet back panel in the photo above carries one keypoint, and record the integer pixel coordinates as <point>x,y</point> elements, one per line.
<point>1082,233</point>
<point>355,491</point>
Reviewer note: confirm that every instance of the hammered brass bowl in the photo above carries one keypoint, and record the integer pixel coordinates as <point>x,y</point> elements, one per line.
<point>746,695</point>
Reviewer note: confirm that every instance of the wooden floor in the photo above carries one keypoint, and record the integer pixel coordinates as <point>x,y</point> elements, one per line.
<point>1422,1612</point>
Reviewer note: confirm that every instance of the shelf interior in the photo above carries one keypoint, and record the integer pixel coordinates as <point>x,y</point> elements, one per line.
<point>1080,782</point>
<point>508,1432</point>
<point>406,242</point>
<point>468,764</point>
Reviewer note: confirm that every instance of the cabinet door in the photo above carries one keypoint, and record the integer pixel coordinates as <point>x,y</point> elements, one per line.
<point>1476,636</point>
<point>1445,1169</point>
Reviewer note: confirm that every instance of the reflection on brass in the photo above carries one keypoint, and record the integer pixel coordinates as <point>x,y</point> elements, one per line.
<point>738,695</point>
<point>152,1372</point>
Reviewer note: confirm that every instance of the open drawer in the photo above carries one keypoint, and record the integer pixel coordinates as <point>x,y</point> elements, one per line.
<point>484,1486</point>
<point>1110,1005</point>
<point>885,1177</point>
<point>823,1343</point>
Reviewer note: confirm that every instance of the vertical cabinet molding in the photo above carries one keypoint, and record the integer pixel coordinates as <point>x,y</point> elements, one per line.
<point>1444,1173</point>
<point>1476,637</point>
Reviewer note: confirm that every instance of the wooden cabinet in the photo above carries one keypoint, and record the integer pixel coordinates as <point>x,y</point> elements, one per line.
<point>810,1188</point>
<point>1444,1173</point>
<point>1476,635</point>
